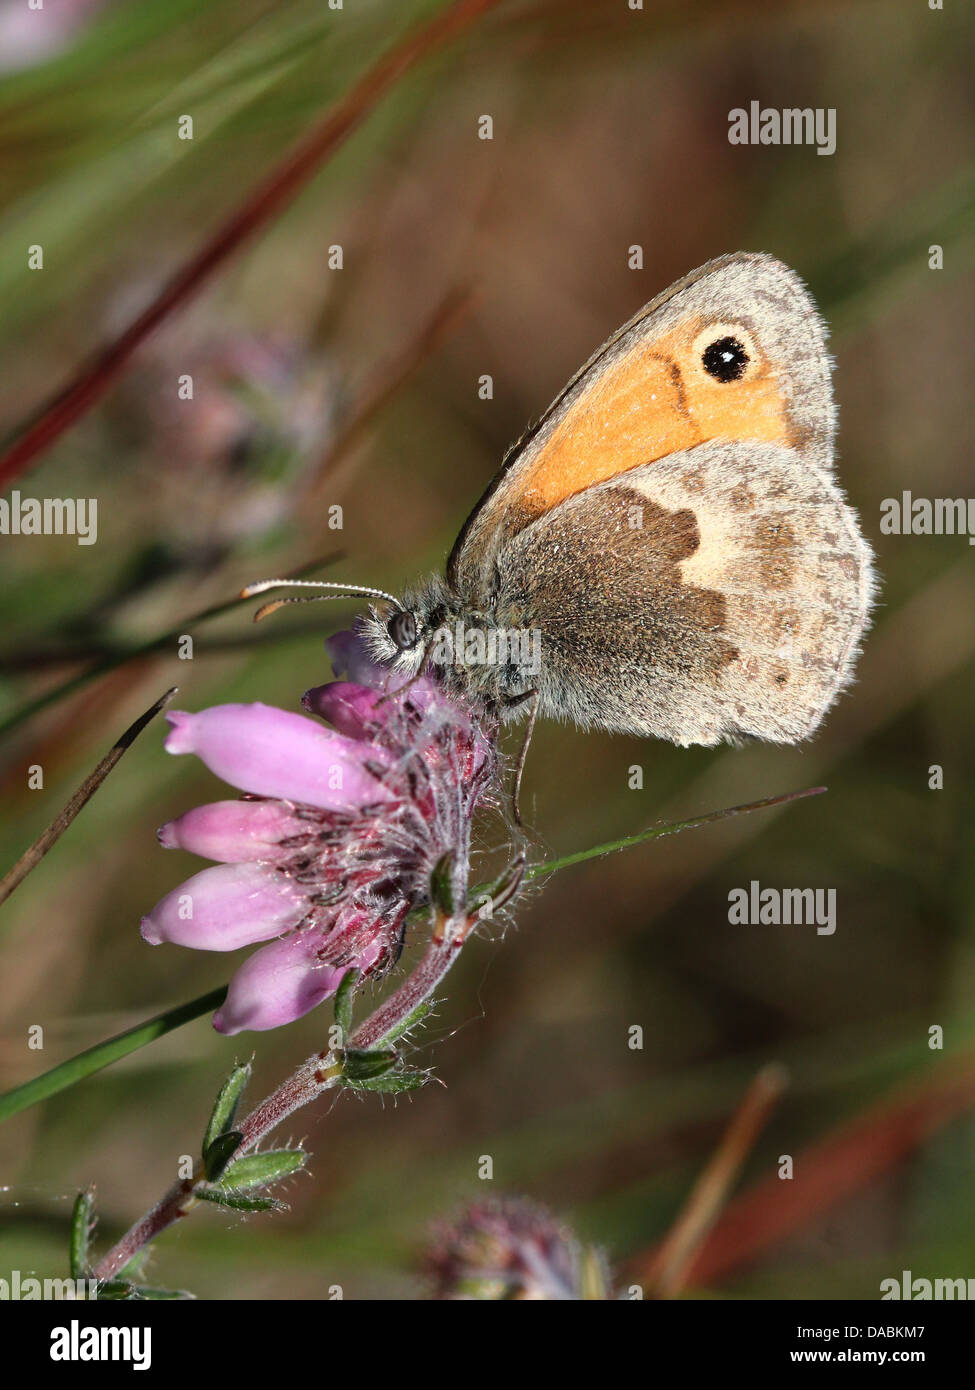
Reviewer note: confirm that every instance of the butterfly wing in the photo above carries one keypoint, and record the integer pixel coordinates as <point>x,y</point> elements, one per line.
<point>716,593</point>
<point>736,351</point>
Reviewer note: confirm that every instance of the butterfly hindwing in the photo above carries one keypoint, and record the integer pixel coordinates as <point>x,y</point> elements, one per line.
<point>716,593</point>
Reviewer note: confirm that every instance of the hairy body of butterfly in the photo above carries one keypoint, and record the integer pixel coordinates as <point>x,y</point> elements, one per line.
<point>669,539</point>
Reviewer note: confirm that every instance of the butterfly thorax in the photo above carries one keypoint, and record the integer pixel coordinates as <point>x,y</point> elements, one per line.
<point>465,648</point>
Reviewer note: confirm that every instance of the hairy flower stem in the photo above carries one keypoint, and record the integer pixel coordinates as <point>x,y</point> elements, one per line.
<point>318,1073</point>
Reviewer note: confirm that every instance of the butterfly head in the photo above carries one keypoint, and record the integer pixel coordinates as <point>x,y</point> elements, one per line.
<point>465,647</point>
<point>401,633</point>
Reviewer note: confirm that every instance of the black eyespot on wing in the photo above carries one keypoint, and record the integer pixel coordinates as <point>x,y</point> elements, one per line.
<point>725,359</point>
<point>402,629</point>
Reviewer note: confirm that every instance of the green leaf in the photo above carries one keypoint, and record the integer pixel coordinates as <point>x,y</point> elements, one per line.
<point>363,1064</point>
<point>405,1024</point>
<point>114,1290</point>
<point>220,1152</point>
<point>121,1290</point>
<point>133,1269</point>
<point>237,1201</point>
<point>144,1291</point>
<point>82,1224</point>
<point>441,887</point>
<point>260,1170</point>
<point>393,1083</point>
<point>225,1107</point>
<point>344,996</point>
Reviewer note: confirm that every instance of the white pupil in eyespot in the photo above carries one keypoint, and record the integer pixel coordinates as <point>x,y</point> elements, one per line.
<point>725,359</point>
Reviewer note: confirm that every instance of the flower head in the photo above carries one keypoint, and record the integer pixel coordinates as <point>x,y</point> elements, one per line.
<point>510,1248</point>
<point>336,839</point>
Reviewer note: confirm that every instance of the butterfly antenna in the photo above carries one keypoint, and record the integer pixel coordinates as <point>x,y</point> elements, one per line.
<point>343,590</point>
<point>266,609</point>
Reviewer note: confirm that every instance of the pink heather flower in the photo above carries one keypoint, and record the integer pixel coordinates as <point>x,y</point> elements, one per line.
<point>29,35</point>
<point>336,840</point>
<point>510,1248</point>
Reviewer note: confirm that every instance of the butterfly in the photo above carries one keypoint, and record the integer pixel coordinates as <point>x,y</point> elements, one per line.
<point>667,552</point>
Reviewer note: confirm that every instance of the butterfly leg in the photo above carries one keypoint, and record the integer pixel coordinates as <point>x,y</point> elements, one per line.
<point>401,689</point>
<point>501,892</point>
<point>523,755</point>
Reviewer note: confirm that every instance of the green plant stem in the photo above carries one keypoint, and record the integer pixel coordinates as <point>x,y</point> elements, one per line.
<point>102,1054</point>
<point>317,1074</point>
<point>658,832</point>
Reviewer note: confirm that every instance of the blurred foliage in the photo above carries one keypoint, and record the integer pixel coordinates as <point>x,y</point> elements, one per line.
<point>610,129</point>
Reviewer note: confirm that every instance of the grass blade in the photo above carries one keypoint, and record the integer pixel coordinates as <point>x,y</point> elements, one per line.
<point>29,860</point>
<point>271,196</point>
<point>103,1054</point>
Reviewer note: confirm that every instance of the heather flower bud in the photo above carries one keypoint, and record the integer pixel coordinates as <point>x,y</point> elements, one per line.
<point>513,1249</point>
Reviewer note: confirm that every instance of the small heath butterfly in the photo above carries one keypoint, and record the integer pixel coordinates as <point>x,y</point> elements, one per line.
<point>667,551</point>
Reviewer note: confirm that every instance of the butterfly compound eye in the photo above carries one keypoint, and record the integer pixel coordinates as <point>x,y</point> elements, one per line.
<point>402,629</point>
<point>725,359</point>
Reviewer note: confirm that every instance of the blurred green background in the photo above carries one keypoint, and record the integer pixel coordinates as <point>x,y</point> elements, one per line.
<point>318,387</point>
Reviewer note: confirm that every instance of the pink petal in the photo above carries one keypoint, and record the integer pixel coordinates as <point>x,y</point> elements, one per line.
<point>354,710</point>
<point>357,710</point>
<point>349,657</point>
<point>225,907</point>
<point>234,831</point>
<point>277,984</point>
<point>274,753</point>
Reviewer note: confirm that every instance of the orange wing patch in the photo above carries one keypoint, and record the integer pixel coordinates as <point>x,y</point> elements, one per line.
<point>654,401</point>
